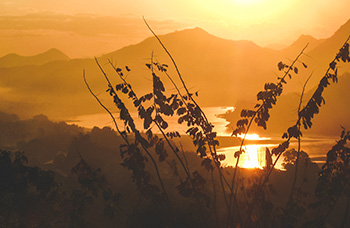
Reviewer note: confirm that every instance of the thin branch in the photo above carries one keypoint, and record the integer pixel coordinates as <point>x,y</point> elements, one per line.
<point>287,141</point>
<point>299,138</point>
<point>168,53</point>
<point>253,117</point>
<point>212,150</point>
<point>157,124</point>
<point>177,70</point>
<point>105,108</point>
<point>261,106</point>
<point>137,133</point>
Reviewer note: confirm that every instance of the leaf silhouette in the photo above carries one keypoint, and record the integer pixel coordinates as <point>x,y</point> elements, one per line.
<point>296,70</point>
<point>280,66</point>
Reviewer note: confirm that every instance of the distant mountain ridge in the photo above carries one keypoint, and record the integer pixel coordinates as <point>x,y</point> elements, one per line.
<point>15,60</point>
<point>300,43</point>
<point>223,71</point>
<point>212,65</point>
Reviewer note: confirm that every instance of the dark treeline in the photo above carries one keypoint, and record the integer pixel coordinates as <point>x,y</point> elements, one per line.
<point>59,175</point>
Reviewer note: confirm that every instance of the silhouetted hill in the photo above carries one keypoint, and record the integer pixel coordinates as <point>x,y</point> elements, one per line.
<point>276,46</point>
<point>333,114</point>
<point>319,57</point>
<point>217,67</point>
<point>335,41</point>
<point>16,132</point>
<point>56,89</point>
<point>14,60</point>
<point>300,43</point>
<point>223,71</point>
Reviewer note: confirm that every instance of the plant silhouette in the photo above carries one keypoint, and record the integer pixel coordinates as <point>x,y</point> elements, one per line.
<point>257,209</point>
<point>143,176</point>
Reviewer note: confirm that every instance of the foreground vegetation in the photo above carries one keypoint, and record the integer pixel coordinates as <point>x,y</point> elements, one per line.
<point>146,177</point>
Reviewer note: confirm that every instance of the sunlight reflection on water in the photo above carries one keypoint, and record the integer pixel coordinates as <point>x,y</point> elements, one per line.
<point>103,119</point>
<point>253,158</point>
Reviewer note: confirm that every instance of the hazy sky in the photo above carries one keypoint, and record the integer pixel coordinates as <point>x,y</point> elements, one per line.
<point>83,28</point>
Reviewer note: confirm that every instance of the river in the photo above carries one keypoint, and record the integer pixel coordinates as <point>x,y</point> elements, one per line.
<point>316,147</point>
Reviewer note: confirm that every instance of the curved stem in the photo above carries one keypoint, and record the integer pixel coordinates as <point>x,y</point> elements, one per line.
<point>212,150</point>
<point>261,106</point>
<point>157,124</point>
<point>289,137</point>
<point>137,135</point>
<point>299,139</point>
<point>255,113</point>
<point>176,68</point>
<point>106,109</point>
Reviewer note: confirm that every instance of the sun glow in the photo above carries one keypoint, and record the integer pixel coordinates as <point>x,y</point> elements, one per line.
<point>246,2</point>
<point>243,13</point>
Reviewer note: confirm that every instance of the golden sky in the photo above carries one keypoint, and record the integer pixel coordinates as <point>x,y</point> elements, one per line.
<point>85,28</point>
